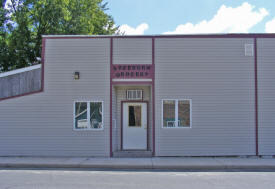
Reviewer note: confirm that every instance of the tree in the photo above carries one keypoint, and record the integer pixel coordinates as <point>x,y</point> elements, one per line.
<point>5,56</point>
<point>24,23</point>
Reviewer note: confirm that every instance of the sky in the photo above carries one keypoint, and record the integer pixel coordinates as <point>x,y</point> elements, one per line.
<point>137,17</point>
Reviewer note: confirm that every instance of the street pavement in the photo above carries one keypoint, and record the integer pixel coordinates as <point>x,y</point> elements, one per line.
<point>134,179</point>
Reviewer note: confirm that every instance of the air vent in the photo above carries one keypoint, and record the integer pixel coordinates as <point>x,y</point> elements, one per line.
<point>248,49</point>
<point>134,94</point>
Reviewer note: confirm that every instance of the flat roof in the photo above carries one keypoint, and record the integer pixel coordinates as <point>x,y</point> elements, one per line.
<point>222,35</point>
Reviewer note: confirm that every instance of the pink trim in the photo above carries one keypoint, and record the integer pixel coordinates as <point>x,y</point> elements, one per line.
<point>117,71</point>
<point>121,124</point>
<point>132,82</point>
<point>78,37</point>
<point>255,35</point>
<point>111,99</point>
<point>121,120</point>
<point>25,94</point>
<point>256,96</point>
<point>42,76</point>
<point>147,124</point>
<point>43,63</point>
<point>153,97</point>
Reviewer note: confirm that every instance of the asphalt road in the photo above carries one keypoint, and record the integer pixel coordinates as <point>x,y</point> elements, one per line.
<point>67,179</point>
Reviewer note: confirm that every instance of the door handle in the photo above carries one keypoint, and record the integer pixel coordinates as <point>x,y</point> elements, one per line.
<point>145,126</point>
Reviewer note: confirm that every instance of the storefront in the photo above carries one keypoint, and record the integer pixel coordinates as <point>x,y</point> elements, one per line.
<point>140,96</point>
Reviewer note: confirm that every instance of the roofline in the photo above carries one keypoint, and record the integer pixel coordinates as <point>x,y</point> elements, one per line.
<point>222,35</point>
<point>29,68</point>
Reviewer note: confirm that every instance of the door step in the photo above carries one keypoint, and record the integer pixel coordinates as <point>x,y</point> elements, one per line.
<point>132,153</point>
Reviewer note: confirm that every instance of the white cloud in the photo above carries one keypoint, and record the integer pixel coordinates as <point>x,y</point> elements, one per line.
<point>227,20</point>
<point>270,26</point>
<point>8,4</point>
<point>128,30</point>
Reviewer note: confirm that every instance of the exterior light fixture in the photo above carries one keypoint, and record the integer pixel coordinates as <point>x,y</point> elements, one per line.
<point>76,75</point>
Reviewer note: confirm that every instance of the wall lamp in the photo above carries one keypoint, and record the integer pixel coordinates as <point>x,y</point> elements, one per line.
<point>76,76</point>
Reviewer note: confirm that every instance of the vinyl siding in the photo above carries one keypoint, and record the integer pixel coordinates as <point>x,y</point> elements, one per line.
<point>42,124</point>
<point>115,129</point>
<point>219,79</point>
<point>132,51</point>
<point>213,72</point>
<point>266,95</point>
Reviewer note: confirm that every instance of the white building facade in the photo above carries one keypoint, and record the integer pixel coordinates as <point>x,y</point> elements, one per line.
<point>186,95</point>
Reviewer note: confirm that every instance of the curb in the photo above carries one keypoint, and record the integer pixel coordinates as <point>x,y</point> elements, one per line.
<point>148,167</point>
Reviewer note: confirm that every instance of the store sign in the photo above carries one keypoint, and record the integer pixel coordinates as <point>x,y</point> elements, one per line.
<point>132,71</point>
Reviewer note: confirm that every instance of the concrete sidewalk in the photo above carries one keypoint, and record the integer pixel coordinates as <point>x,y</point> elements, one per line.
<point>209,163</point>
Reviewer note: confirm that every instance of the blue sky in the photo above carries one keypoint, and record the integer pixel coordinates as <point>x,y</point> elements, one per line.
<point>193,16</point>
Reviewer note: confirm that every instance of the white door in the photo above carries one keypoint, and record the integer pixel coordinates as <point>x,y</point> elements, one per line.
<point>134,126</point>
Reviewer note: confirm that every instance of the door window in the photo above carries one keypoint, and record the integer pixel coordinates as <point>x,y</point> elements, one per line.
<point>134,112</point>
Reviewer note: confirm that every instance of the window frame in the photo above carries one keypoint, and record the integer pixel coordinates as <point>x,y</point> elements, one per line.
<point>88,116</point>
<point>176,114</point>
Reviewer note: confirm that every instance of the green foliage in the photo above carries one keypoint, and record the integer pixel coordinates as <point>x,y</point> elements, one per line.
<point>25,21</point>
<point>5,56</point>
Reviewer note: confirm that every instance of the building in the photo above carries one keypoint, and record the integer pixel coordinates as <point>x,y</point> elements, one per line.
<point>160,95</point>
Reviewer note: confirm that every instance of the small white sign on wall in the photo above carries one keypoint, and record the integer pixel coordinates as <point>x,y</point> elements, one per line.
<point>248,49</point>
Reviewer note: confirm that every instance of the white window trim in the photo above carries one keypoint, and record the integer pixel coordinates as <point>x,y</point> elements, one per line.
<point>88,116</point>
<point>176,114</point>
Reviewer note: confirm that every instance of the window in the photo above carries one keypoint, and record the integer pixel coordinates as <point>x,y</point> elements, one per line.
<point>169,115</point>
<point>88,115</point>
<point>176,113</point>
<point>134,94</point>
<point>134,116</point>
<point>81,115</point>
